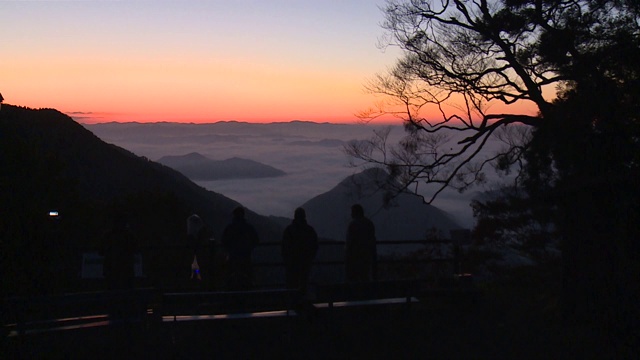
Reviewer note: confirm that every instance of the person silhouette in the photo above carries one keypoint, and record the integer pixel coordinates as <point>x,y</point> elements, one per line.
<point>239,239</point>
<point>299,248</point>
<point>360,247</point>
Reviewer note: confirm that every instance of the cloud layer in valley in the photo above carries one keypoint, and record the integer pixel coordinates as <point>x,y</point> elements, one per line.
<point>309,153</point>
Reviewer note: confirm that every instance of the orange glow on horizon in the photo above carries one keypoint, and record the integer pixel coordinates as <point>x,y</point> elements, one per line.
<point>196,61</point>
<point>163,106</point>
<point>182,88</point>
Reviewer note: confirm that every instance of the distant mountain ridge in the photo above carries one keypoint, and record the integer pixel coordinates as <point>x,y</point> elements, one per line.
<point>406,218</point>
<point>323,142</point>
<point>199,167</point>
<point>156,132</point>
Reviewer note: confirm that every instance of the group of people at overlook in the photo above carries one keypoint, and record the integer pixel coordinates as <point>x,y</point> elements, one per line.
<point>229,261</point>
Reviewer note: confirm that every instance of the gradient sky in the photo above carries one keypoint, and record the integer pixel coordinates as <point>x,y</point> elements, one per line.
<point>192,61</point>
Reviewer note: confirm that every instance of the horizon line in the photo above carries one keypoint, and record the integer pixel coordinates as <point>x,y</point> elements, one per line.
<point>228,121</point>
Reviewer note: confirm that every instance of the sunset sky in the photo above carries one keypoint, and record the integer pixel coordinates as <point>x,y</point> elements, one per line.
<point>193,61</point>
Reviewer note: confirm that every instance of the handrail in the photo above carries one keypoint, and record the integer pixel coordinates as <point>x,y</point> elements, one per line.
<point>378,242</point>
<point>278,243</point>
<point>267,255</point>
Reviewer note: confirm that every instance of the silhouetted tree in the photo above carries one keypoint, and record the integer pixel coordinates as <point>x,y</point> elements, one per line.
<point>461,57</point>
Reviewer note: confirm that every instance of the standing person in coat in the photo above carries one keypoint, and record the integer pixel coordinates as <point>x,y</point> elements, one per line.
<point>360,251</point>
<point>239,239</point>
<point>299,248</point>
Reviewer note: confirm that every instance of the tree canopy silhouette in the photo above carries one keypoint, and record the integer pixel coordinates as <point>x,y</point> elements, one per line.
<point>461,57</point>
<point>576,62</point>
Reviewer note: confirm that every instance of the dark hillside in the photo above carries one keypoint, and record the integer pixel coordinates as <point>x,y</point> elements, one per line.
<point>50,162</point>
<point>406,218</point>
<point>199,167</point>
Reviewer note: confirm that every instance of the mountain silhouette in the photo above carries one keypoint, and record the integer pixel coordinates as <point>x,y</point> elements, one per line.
<point>49,162</point>
<point>199,167</point>
<point>323,142</point>
<point>407,217</point>
<point>51,165</point>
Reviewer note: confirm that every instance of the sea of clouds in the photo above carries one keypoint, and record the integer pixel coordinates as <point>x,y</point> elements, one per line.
<point>310,153</point>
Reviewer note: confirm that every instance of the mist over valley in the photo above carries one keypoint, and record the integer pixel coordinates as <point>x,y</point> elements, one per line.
<point>309,154</point>
<point>198,167</point>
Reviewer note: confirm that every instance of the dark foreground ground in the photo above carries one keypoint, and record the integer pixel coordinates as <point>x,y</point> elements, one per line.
<point>516,319</point>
